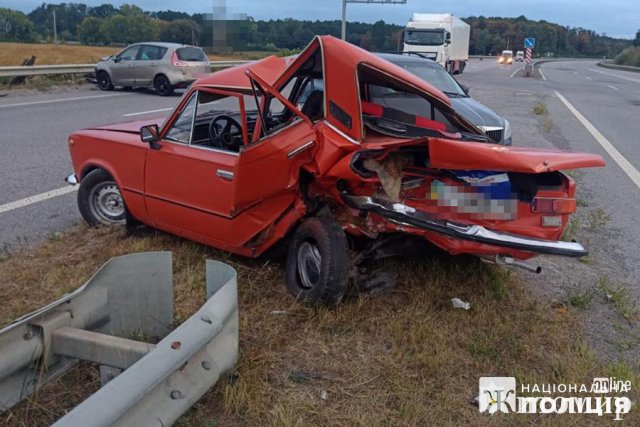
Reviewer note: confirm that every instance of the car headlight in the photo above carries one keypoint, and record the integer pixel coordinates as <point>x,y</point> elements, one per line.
<point>507,129</point>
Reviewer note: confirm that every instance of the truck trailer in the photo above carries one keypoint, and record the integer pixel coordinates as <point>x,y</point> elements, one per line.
<point>439,36</point>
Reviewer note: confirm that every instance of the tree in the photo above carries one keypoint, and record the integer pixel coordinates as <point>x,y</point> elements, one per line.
<point>126,29</point>
<point>636,42</point>
<point>15,26</point>
<point>89,31</point>
<point>178,31</point>
<point>105,10</point>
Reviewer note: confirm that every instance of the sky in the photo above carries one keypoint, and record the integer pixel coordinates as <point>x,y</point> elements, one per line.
<point>616,18</point>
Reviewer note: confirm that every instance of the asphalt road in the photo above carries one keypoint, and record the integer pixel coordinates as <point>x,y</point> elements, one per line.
<point>33,135</point>
<point>608,102</point>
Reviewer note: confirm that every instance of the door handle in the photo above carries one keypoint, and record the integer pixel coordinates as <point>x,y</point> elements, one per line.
<point>225,174</point>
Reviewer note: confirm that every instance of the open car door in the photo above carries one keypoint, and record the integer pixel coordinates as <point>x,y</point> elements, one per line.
<point>269,167</point>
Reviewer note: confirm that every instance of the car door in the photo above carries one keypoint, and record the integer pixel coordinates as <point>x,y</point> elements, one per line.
<point>189,187</point>
<point>270,166</point>
<point>147,63</point>
<point>122,71</point>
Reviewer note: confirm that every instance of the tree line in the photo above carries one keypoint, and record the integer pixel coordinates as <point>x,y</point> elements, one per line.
<point>108,25</point>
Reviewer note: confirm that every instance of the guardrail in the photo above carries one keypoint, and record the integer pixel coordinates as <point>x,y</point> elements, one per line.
<point>143,384</point>
<point>51,70</point>
<point>619,67</point>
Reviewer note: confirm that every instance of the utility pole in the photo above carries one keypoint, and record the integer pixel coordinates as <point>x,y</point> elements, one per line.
<point>344,19</point>
<point>344,10</point>
<point>55,28</point>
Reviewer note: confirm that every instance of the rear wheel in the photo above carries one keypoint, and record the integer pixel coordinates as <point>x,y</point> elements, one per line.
<point>317,262</point>
<point>99,199</point>
<point>162,85</point>
<point>104,81</point>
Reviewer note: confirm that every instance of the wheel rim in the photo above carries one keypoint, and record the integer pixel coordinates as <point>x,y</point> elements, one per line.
<point>309,261</point>
<point>106,204</point>
<point>162,84</point>
<point>104,81</point>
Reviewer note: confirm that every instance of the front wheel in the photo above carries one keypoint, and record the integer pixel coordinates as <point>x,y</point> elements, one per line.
<point>317,262</point>
<point>100,201</point>
<point>104,81</point>
<point>162,85</point>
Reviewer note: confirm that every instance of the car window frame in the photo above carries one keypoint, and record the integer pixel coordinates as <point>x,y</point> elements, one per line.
<point>267,92</point>
<point>139,55</point>
<point>175,115</point>
<point>138,46</point>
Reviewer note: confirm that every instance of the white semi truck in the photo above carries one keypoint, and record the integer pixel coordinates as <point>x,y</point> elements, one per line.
<point>439,36</point>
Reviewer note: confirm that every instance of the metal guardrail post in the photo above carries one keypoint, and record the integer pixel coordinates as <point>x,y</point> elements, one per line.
<point>128,297</point>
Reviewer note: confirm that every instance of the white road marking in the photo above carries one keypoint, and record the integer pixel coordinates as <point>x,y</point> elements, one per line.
<point>514,73</point>
<point>624,164</point>
<point>542,74</point>
<point>613,87</point>
<point>147,112</point>
<point>588,78</point>
<point>614,75</point>
<point>37,198</point>
<point>51,101</point>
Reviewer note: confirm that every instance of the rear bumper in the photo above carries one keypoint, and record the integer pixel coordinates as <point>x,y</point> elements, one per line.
<point>406,215</point>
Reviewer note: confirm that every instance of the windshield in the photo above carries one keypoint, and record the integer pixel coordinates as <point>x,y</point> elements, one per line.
<point>424,37</point>
<point>435,75</point>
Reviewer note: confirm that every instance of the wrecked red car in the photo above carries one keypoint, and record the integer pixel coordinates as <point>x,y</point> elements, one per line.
<point>333,147</point>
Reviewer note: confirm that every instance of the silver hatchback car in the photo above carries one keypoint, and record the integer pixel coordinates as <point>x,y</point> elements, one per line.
<point>162,66</point>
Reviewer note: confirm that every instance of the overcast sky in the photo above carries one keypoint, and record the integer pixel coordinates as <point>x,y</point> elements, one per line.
<point>618,18</point>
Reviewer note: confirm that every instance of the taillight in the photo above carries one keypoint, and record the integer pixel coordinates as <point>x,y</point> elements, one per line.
<point>176,62</point>
<point>553,205</point>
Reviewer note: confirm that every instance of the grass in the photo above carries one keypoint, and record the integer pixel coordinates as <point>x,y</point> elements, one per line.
<point>620,296</point>
<point>404,358</point>
<point>55,54</point>
<point>540,109</point>
<point>597,218</point>
<point>580,298</point>
<point>629,56</point>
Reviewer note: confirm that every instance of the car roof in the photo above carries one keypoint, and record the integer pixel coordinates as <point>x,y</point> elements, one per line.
<point>162,44</point>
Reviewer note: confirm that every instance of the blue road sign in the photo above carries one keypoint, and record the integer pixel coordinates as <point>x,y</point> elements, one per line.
<point>530,43</point>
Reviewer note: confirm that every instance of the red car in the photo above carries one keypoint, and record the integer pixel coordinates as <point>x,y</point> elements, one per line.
<point>338,149</point>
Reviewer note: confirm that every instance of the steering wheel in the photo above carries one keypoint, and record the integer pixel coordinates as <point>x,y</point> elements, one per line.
<point>224,132</point>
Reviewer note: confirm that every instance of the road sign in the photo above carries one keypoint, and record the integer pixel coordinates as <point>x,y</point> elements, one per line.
<point>530,43</point>
<point>527,56</point>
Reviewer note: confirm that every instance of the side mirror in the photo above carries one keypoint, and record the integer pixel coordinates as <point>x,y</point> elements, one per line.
<point>150,134</point>
<point>116,58</point>
<point>465,89</point>
<point>447,38</point>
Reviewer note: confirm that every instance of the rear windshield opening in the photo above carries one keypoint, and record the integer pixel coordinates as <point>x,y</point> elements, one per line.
<point>191,54</point>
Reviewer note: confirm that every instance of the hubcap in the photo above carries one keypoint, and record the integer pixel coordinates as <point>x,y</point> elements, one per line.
<point>309,260</point>
<point>106,203</point>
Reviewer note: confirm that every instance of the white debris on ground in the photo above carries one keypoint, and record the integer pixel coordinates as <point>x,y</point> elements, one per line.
<point>458,303</point>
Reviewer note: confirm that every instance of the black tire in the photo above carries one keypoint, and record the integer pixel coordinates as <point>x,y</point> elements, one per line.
<point>100,201</point>
<point>318,262</point>
<point>162,85</point>
<point>104,81</point>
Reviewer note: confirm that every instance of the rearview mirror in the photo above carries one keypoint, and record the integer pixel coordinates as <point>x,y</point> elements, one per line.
<point>150,134</point>
<point>465,89</point>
